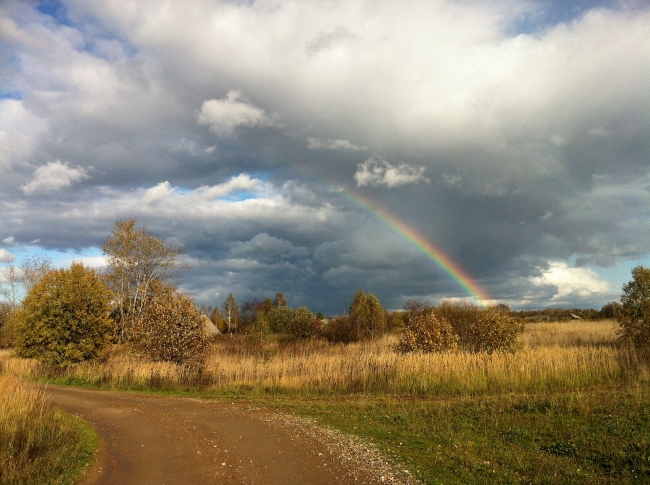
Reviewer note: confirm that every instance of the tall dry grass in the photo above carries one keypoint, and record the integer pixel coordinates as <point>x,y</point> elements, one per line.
<point>554,356</point>
<point>572,333</point>
<point>38,444</point>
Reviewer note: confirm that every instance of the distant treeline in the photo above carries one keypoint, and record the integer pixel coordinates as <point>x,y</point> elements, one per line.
<point>559,314</point>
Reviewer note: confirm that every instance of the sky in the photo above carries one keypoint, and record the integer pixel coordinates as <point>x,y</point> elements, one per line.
<point>423,150</point>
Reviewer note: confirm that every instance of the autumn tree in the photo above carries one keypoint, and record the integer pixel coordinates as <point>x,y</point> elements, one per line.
<point>610,310</point>
<point>230,313</point>
<point>634,315</point>
<point>367,316</point>
<point>65,317</point>
<point>279,300</point>
<point>217,319</point>
<point>138,264</point>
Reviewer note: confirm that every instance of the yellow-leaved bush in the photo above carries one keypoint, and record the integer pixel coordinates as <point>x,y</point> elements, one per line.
<point>171,329</point>
<point>65,317</point>
<point>427,333</point>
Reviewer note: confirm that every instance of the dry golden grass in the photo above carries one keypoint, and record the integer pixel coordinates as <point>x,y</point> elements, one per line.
<point>38,444</point>
<point>574,333</point>
<point>554,356</point>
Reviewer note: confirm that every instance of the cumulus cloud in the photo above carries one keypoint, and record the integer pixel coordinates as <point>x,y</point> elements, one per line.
<point>377,171</point>
<point>6,256</point>
<point>331,144</point>
<point>223,116</point>
<point>572,284</point>
<point>54,176</point>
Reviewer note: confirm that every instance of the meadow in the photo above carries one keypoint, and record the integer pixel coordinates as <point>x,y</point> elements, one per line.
<point>571,406</point>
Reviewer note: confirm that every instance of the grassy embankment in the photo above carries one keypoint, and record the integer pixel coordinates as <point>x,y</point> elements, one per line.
<point>571,406</point>
<point>39,444</point>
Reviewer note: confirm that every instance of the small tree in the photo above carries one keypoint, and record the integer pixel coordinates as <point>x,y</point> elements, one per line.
<point>217,319</point>
<point>34,270</point>
<point>634,315</point>
<point>230,313</point>
<point>65,317</point>
<point>279,300</point>
<point>279,319</point>
<point>610,310</point>
<point>304,323</point>
<point>427,333</point>
<point>171,330</point>
<point>367,316</point>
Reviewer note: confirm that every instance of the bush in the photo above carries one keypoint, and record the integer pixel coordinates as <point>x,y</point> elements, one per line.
<point>338,329</point>
<point>493,331</point>
<point>460,314</point>
<point>65,317</point>
<point>304,323</point>
<point>171,330</point>
<point>427,333</point>
<point>634,315</point>
<point>280,319</point>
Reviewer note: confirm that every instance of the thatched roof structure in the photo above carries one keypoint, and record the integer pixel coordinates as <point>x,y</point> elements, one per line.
<point>209,327</point>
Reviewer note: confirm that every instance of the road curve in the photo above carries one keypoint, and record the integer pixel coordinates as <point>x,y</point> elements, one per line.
<point>165,440</point>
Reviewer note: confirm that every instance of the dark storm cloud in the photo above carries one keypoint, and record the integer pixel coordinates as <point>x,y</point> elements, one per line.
<point>514,136</point>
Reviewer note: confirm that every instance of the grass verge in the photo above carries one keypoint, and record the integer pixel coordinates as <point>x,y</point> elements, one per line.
<point>38,443</point>
<point>596,436</point>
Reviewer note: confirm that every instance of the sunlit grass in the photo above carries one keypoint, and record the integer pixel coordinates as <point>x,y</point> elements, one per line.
<point>38,443</point>
<point>554,356</point>
<point>571,406</point>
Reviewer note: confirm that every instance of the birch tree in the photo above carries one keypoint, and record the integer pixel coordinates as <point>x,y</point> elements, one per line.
<point>230,312</point>
<point>139,266</point>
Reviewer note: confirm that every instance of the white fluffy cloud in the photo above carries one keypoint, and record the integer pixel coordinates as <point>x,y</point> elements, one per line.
<point>223,116</point>
<point>572,284</point>
<point>6,256</point>
<point>54,176</point>
<point>377,171</point>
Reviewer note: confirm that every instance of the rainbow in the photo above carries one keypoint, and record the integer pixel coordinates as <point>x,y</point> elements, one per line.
<point>435,254</point>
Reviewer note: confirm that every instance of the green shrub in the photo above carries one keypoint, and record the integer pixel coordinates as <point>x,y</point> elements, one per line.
<point>65,317</point>
<point>634,315</point>
<point>170,329</point>
<point>493,331</point>
<point>427,333</point>
<point>280,319</point>
<point>304,323</point>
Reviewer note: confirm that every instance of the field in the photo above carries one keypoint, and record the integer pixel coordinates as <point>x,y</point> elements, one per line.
<point>570,406</point>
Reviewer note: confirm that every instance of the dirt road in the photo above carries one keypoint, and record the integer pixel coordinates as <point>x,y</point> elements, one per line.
<point>170,440</point>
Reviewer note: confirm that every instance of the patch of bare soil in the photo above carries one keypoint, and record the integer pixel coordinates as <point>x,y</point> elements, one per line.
<point>166,440</point>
